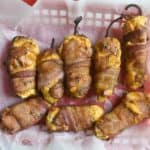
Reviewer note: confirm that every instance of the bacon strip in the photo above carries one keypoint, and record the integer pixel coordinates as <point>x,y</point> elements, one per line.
<point>134,108</point>
<point>23,115</point>
<point>22,66</point>
<point>135,51</point>
<point>22,74</point>
<point>107,60</point>
<point>50,76</point>
<point>76,52</point>
<point>73,118</point>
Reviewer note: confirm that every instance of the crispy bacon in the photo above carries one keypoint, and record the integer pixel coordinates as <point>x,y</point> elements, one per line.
<point>107,60</point>
<point>23,115</point>
<point>50,76</point>
<point>135,50</point>
<point>76,52</point>
<point>22,66</point>
<point>73,118</point>
<point>134,108</point>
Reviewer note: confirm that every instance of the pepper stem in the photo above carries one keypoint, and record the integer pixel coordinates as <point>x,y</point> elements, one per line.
<point>111,23</point>
<point>52,43</point>
<point>76,22</point>
<point>136,6</point>
<point>123,16</point>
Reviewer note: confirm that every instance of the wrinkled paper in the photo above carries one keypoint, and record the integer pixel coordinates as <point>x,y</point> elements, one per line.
<point>48,19</point>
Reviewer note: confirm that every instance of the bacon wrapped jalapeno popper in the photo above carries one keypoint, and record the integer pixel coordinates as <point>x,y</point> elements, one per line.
<point>73,118</point>
<point>76,52</point>
<point>22,66</point>
<point>50,75</point>
<point>134,108</point>
<point>135,45</point>
<point>107,60</point>
<point>23,115</point>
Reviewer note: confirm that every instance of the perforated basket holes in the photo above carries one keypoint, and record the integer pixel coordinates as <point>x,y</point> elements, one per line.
<point>55,19</point>
<point>63,17</point>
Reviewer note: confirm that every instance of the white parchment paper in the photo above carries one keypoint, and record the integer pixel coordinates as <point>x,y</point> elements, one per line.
<point>49,19</point>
